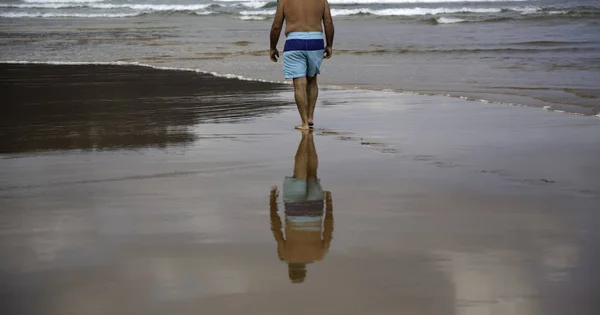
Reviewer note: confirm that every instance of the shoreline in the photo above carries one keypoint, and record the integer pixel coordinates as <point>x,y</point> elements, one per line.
<point>544,105</point>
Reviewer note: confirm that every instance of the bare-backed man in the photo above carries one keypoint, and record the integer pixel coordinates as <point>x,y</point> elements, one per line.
<point>304,49</point>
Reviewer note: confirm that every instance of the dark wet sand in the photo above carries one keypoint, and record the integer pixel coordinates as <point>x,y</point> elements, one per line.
<point>107,107</point>
<point>128,190</point>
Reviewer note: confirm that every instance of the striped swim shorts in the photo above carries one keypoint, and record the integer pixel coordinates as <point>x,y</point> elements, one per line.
<point>303,54</point>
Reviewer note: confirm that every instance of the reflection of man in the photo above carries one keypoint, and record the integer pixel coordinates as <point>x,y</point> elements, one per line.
<point>303,200</point>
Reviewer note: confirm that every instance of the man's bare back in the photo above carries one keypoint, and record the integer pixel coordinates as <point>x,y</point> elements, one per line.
<point>303,15</point>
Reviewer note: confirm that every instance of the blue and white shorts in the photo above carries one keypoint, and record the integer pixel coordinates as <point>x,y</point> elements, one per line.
<point>303,54</point>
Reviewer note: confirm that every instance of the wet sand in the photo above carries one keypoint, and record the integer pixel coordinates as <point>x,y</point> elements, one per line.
<point>129,190</point>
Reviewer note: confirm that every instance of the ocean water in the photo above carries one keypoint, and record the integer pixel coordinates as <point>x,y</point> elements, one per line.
<point>542,53</point>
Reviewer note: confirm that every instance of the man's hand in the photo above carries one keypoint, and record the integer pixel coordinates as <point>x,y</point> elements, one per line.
<point>328,52</point>
<point>276,30</point>
<point>274,54</point>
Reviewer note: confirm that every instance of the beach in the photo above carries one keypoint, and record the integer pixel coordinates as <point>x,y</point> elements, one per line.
<point>539,53</point>
<point>134,190</point>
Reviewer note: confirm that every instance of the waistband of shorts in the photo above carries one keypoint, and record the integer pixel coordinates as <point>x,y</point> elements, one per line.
<point>305,35</point>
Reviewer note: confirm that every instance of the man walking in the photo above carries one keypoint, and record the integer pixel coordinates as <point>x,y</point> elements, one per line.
<point>304,49</point>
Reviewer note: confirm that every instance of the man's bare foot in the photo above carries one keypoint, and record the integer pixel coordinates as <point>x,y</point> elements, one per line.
<point>302,127</point>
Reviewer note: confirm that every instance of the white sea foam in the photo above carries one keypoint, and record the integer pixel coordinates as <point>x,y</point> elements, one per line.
<point>260,12</point>
<point>392,1</point>
<point>148,7</point>
<point>254,4</point>
<point>529,10</point>
<point>533,10</point>
<point>41,5</point>
<point>139,64</point>
<point>252,18</point>
<point>152,7</point>
<point>411,11</point>
<point>413,1</point>
<point>62,15</point>
<point>61,1</point>
<point>448,20</point>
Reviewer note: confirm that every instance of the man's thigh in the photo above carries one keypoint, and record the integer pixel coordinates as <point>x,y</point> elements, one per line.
<point>314,58</point>
<point>295,64</point>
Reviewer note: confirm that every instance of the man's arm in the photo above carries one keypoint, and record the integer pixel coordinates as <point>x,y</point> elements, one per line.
<point>276,223</point>
<point>276,30</point>
<point>328,224</point>
<point>275,219</point>
<point>329,30</point>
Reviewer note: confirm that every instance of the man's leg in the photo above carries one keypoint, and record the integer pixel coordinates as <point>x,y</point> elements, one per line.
<point>301,101</point>
<point>313,158</point>
<point>301,160</point>
<point>312,92</point>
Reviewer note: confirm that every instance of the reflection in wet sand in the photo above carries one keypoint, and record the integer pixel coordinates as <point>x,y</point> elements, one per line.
<point>307,235</point>
<point>101,107</point>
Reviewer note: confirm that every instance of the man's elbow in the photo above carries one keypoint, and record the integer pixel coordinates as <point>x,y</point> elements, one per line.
<point>276,29</point>
<point>328,23</point>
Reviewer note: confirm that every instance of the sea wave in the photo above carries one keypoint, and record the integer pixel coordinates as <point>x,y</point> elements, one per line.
<point>260,10</point>
<point>449,20</point>
<point>64,5</point>
<point>62,15</point>
<point>396,12</point>
<point>83,15</point>
<point>252,18</point>
<point>258,4</point>
<point>412,11</point>
<point>414,1</point>
<point>463,51</point>
<point>61,1</point>
<point>526,10</point>
<point>153,7</point>
<point>396,1</point>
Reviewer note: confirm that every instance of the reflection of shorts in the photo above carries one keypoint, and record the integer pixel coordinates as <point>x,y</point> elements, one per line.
<point>304,223</point>
<point>302,197</point>
<point>303,54</point>
<point>295,190</point>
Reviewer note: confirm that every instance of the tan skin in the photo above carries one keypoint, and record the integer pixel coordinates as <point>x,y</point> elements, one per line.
<point>303,16</point>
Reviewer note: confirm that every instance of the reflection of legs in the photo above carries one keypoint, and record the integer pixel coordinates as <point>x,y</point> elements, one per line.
<point>312,92</point>
<point>301,162</point>
<point>313,159</point>
<point>301,101</point>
